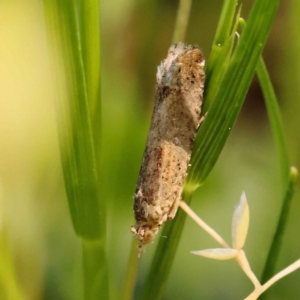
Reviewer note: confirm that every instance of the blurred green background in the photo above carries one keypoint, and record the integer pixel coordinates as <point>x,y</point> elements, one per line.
<point>135,36</point>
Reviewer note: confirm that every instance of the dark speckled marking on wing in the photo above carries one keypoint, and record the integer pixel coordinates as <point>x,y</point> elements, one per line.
<point>174,124</point>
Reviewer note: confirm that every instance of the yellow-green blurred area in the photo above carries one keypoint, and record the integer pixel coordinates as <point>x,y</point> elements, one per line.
<point>40,255</point>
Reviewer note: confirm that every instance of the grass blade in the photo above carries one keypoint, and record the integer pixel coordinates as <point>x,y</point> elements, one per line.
<point>273,254</point>
<point>163,258</point>
<point>76,140</point>
<point>78,82</point>
<point>275,119</point>
<point>232,91</point>
<point>132,270</point>
<point>288,176</point>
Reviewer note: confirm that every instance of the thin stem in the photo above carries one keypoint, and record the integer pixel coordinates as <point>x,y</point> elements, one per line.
<point>163,258</point>
<point>89,15</point>
<point>281,274</point>
<point>274,114</point>
<point>182,20</point>
<point>203,225</point>
<point>132,270</point>
<point>243,262</point>
<point>94,270</point>
<point>257,292</point>
<point>278,236</point>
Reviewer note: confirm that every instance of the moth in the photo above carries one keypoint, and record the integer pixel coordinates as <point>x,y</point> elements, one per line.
<point>174,124</point>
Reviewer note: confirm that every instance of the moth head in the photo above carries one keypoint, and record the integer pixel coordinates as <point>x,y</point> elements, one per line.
<point>145,233</point>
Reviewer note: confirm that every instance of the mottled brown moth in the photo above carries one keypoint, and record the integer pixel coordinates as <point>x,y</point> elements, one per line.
<point>174,124</point>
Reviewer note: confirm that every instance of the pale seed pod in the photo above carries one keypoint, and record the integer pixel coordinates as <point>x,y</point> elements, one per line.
<point>174,124</point>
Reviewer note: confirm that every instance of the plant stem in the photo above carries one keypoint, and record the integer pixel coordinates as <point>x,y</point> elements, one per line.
<point>281,274</point>
<point>162,261</point>
<point>77,77</point>
<point>182,20</point>
<point>132,270</point>
<point>244,264</point>
<point>222,35</point>
<point>291,268</point>
<point>95,274</point>
<point>278,236</point>
<point>203,225</point>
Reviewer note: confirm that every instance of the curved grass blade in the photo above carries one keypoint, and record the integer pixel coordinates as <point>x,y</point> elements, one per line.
<point>275,119</point>
<point>132,270</point>
<point>90,41</point>
<point>288,176</point>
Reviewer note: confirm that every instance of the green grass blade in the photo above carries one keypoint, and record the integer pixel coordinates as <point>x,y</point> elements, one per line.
<point>76,139</point>
<point>132,270</point>
<point>215,130</point>
<point>224,24</point>
<point>232,91</point>
<point>90,41</point>
<point>163,258</point>
<point>221,36</point>
<point>275,119</point>
<point>288,175</point>
<point>274,115</point>
<point>94,270</point>
<point>279,233</point>
<point>78,82</point>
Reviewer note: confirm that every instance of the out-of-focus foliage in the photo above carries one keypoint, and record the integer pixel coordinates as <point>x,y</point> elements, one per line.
<point>135,37</point>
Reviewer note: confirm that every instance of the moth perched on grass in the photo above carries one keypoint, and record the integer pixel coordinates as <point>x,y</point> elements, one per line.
<point>174,124</point>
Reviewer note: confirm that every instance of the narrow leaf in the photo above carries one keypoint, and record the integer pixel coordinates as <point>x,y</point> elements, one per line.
<point>74,121</point>
<point>281,225</point>
<point>240,223</point>
<point>217,253</point>
<point>76,76</point>
<point>221,36</point>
